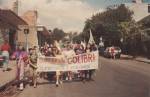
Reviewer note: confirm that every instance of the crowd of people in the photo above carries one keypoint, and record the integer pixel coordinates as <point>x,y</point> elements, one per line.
<point>68,49</point>
<point>26,62</point>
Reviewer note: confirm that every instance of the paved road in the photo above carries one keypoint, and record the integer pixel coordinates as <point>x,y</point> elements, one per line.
<point>115,78</point>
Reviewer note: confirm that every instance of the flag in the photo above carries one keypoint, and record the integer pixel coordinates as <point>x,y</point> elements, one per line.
<point>83,43</point>
<point>91,39</point>
<point>57,45</point>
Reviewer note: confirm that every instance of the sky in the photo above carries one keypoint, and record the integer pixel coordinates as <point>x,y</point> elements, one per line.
<point>69,15</point>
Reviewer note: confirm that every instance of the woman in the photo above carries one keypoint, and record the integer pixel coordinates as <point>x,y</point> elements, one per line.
<point>21,58</point>
<point>93,47</point>
<point>57,54</point>
<point>86,72</point>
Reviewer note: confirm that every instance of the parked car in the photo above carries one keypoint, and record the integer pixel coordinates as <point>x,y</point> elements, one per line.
<point>117,51</point>
<point>101,51</point>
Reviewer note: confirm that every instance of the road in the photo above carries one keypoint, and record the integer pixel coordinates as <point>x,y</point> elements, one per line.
<point>115,78</point>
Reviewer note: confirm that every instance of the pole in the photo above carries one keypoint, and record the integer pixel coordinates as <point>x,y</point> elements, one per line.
<point>26,35</point>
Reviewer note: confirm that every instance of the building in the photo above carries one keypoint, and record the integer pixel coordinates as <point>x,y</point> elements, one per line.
<point>10,24</point>
<point>31,38</point>
<point>43,35</point>
<point>139,8</point>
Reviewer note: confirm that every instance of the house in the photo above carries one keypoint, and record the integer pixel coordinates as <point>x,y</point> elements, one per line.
<point>43,35</point>
<point>10,24</point>
<point>139,8</point>
<point>30,39</point>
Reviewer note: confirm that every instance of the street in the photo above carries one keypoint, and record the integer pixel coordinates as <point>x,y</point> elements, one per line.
<point>65,39</point>
<point>115,78</point>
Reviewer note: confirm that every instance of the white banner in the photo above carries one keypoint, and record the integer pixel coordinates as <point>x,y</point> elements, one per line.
<point>78,62</point>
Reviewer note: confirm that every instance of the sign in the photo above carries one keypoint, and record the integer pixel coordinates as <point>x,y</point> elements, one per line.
<point>84,61</point>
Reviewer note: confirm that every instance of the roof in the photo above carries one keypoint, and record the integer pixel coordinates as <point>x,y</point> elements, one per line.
<point>147,18</point>
<point>44,31</point>
<point>145,21</point>
<point>9,19</point>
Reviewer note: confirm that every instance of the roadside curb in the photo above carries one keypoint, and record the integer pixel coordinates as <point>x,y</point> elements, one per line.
<point>6,85</point>
<point>148,62</point>
<point>139,59</point>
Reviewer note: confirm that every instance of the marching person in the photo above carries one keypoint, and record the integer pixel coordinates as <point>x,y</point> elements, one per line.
<point>21,57</point>
<point>112,51</point>
<point>57,53</point>
<point>33,64</point>
<point>79,49</point>
<point>87,50</point>
<point>50,75</point>
<point>93,47</point>
<point>5,48</point>
<point>69,52</point>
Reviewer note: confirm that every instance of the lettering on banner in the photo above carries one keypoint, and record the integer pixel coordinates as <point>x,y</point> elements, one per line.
<point>83,58</point>
<point>78,62</point>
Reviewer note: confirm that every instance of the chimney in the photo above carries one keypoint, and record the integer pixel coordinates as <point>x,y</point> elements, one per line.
<point>15,7</point>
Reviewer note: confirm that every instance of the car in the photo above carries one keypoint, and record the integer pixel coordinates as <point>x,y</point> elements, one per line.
<point>117,51</point>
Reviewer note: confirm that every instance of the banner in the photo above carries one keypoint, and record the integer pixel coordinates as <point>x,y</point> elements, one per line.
<point>84,61</point>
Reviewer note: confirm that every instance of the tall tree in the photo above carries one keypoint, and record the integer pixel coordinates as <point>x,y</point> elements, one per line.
<point>58,34</point>
<point>105,24</point>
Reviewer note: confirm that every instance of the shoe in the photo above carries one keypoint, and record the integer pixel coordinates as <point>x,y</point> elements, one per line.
<point>91,79</point>
<point>34,86</point>
<point>83,80</point>
<point>57,85</point>
<point>70,79</point>
<point>21,87</point>
<point>66,78</point>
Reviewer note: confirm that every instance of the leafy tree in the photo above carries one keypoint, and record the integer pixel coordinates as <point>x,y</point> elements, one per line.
<point>131,34</point>
<point>145,37</point>
<point>58,34</point>
<point>106,24</point>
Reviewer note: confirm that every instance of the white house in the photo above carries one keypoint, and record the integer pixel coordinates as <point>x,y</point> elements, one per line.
<point>139,8</point>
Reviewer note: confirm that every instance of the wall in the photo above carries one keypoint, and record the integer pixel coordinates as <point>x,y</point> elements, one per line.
<point>140,10</point>
<point>31,18</point>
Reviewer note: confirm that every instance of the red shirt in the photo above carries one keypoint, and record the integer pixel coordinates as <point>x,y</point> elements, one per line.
<point>5,47</point>
<point>112,49</point>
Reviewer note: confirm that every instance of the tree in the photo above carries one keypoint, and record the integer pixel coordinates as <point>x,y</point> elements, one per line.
<point>131,34</point>
<point>58,34</point>
<point>106,24</point>
<point>145,37</point>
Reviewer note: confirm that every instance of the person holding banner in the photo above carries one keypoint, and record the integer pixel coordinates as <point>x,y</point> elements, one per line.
<point>93,47</point>
<point>69,52</point>
<point>87,50</point>
<point>50,75</point>
<point>57,53</point>
<point>79,49</point>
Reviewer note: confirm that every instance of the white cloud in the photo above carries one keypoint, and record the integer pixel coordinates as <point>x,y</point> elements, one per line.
<point>66,14</point>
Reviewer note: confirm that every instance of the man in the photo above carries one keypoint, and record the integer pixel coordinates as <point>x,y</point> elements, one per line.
<point>5,48</point>
<point>112,49</point>
<point>33,65</point>
<point>93,47</point>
